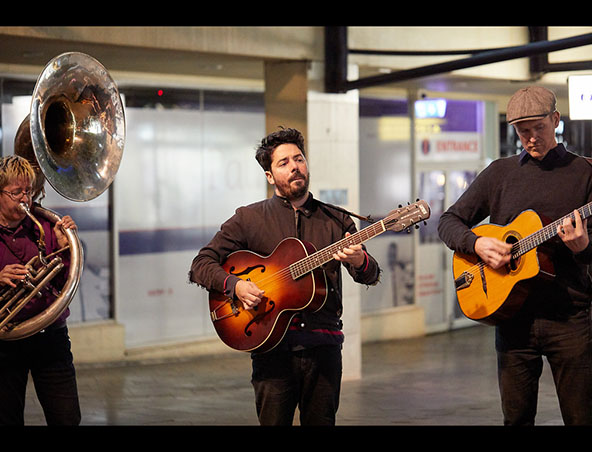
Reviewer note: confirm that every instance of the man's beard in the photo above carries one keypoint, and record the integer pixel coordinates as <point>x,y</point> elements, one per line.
<point>292,193</point>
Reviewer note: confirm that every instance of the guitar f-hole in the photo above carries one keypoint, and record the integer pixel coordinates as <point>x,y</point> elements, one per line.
<point>259,316</point>
<point>246,271</point>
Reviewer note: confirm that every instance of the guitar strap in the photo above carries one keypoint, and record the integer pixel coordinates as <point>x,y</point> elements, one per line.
<point>347,212</point>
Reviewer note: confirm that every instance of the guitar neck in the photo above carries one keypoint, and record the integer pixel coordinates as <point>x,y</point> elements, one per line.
<point>546,233</point>
<point>321,257</point>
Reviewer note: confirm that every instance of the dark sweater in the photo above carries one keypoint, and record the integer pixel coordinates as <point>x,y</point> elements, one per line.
<point>260,227</point>
<point>553,187</point>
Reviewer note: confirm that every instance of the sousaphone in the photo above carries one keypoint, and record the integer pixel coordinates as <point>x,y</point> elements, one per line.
<point>73,137</point>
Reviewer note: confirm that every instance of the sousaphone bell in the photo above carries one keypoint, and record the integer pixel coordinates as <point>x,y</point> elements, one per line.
<point>74,137</point>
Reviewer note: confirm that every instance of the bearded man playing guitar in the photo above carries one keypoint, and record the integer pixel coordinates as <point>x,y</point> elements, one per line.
<point>553,316</point>
<point>304,369</point>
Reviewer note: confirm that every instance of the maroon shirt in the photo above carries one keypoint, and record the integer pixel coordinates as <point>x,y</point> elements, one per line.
<point>18,246</point>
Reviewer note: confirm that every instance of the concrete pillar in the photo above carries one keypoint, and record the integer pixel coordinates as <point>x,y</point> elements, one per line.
<point>286,89</point>
<point>294,97</point>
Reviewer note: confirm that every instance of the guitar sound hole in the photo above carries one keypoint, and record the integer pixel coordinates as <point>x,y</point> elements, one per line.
<point>514,263</point>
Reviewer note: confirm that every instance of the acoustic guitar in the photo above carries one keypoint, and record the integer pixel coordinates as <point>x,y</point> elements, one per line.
<point>293,281</point>
<point>491,296</point>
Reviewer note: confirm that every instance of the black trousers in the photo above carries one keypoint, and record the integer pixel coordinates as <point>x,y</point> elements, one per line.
<point>566,342</point>
<point>47,356</point>
<point>309,379</point>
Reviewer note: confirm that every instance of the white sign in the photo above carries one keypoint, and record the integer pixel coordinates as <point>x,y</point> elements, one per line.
<point>580,96</point>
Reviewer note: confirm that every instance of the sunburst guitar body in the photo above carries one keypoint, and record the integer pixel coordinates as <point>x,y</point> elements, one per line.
<point>264,326</point>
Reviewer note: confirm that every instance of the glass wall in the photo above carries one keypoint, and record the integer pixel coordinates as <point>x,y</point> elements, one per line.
<point>189,163</point>
<point>385,183</point>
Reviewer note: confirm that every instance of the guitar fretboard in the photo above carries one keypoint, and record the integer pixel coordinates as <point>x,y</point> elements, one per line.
<point>548,232</point>
<point>321,257</point>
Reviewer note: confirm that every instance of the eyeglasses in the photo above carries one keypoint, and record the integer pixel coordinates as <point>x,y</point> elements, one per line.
<point>16,196</point>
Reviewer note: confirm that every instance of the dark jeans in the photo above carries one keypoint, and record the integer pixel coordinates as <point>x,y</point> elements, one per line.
<point>567,345</point>
<point>48,357</point>
<point>308,379</point>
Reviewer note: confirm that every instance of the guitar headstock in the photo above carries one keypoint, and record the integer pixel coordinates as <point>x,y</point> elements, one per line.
<point>406,216</point>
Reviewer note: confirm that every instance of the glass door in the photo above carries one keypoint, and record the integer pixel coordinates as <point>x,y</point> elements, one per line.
<point>451,147</point>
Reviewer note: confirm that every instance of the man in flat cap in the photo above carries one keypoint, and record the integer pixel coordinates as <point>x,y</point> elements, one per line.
<point>554,320</point>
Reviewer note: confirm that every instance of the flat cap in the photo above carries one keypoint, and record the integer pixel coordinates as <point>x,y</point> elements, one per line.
<point>534,102</point>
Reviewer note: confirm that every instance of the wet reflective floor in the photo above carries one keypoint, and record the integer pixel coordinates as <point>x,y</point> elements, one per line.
<point>445,379</point>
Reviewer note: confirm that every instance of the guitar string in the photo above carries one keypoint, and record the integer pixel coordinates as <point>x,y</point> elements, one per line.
<point>286,273</point>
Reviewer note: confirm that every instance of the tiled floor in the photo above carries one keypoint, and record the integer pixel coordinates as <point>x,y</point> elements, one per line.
<point>442,379</point>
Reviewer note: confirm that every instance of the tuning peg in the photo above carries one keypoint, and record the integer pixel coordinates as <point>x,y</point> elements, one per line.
<point>416,226</point>
<point>400,205</point>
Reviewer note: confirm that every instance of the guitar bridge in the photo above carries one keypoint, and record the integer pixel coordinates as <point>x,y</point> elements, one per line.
<point>463,281</point>
<point>234,312</point>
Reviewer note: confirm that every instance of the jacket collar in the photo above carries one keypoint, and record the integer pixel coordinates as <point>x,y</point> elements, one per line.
<point>306,208</point>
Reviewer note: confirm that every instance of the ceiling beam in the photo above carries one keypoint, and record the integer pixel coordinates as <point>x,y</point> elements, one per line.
<point>336,61</point>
